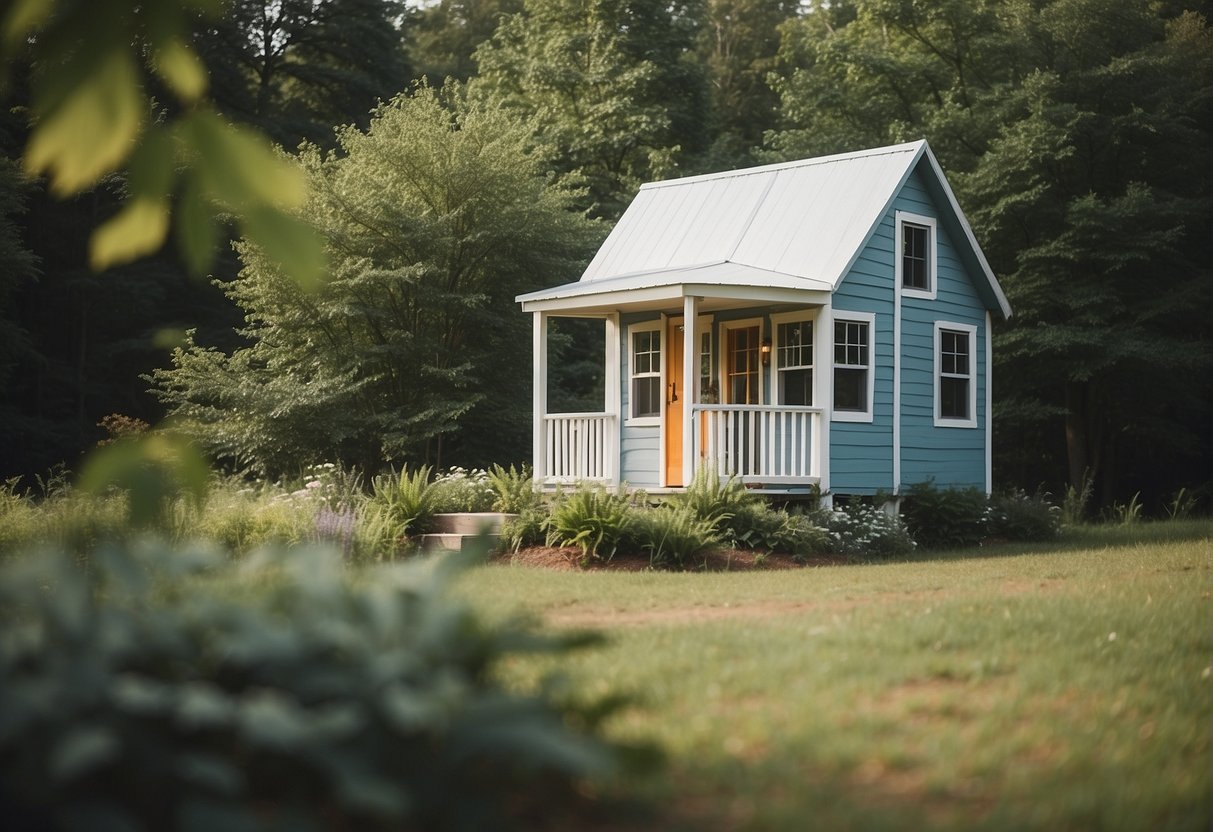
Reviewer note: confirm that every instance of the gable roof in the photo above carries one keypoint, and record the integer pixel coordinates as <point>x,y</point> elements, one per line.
<point>792,225</point>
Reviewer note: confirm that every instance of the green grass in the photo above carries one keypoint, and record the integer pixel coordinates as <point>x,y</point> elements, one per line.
<point>1062,686</point>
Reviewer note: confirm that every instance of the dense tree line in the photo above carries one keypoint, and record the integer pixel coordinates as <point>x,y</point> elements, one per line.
<point>1076,132</point>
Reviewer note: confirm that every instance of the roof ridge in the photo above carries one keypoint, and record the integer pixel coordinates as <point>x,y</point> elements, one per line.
<point>888,150</point>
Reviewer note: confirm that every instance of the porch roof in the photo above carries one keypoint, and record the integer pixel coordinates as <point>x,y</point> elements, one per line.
<point>721,284</point>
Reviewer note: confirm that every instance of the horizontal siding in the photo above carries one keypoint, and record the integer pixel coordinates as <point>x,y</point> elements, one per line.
<point>945,455</point>
<point>639,447</point>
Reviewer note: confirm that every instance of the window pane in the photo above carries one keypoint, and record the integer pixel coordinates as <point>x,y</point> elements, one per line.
<point>646,396</point>
<point>796,387</point>
<point>915,241</point>
<point>850,389</point>
<point>954,398</point>
<point>796,344</point>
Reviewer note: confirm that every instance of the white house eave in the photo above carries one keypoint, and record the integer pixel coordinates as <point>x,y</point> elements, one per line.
<point>711,296</point>
<point>720,280</point>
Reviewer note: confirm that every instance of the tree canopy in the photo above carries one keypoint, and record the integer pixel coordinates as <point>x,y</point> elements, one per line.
<point>433,219</point>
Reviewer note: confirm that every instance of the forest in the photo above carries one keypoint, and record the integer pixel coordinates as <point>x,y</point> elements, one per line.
<point>460,152</point>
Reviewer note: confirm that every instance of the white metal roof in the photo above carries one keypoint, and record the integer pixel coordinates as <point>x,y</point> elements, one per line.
<point>796,225</point>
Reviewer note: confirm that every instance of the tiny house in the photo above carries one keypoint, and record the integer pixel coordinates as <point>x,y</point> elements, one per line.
<point>823,323</point>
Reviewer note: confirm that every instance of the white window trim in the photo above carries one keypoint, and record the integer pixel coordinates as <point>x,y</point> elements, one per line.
<point>703,326</point>
<point>722,345</point>
<point>904,218</point>
<point>971,331</point>
<point>809,315</point>
<point>657,325</point>
<point>868,318</point>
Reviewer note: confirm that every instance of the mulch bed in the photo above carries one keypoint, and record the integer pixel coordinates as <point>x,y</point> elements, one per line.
<point>720,560</point>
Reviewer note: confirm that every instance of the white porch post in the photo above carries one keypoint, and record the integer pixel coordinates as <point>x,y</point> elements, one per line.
<point>690,383</point>
<point>611,399</point>
<point>539,381</point>
<point>823,397</point>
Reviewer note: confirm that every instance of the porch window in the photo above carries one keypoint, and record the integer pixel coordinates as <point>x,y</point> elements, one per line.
<point>916,264</point>
<point>644,383</point>
<point>853,378</point>
<point>742,374</point>
<point>955,386</point>
<point>794,361</point>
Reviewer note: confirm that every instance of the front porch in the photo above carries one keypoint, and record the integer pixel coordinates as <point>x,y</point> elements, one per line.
<point>762,445</point>
<point>696,377</point>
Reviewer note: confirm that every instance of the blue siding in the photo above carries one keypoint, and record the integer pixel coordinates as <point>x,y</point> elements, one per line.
<point>639,447</point>
<point>861,453</point>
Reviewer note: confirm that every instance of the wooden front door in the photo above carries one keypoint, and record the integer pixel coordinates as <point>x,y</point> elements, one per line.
<point>675,391</point>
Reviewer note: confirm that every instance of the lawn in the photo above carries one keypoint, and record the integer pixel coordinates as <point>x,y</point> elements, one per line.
<point>1063,686</point>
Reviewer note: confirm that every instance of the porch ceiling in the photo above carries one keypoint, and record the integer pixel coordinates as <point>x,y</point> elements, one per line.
<point>722,285</point>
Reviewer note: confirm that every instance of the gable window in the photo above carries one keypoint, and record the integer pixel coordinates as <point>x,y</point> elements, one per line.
<point>955,383</point>
<point>853,378</point>
<point>644,368</point>
<point>916,263</point>
<point>793,359</point>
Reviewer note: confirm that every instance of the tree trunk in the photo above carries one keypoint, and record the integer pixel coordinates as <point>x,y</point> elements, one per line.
<point>1078,454</point>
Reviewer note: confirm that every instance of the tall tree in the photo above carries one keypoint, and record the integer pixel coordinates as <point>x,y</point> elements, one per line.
<point>1072,130</point>
<point>298,68</point>
<point>739,45</point>
<point>444,39</point>
<point>433,219</point>
<point>609,87</point>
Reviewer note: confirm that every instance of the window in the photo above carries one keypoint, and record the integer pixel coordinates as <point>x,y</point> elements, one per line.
<point>916,264</point>
<point>853,377</point>
<point>645,371</point>
<point>709,393</point>
<point>955,386</point>
<point>793,360</point>
<point>741,372</point>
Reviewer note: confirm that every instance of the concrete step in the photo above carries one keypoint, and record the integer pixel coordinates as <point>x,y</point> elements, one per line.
<point>453,542</point>
<point>470,523</point>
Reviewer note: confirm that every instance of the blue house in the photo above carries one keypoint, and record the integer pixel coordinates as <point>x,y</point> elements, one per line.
<point>824,322</point>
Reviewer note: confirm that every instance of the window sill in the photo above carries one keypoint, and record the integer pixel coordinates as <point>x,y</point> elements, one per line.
<point>643,422</point>
<point>850,416</point>
<point>955,423</point>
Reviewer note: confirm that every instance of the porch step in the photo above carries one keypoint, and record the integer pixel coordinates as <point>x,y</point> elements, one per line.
<point>454,532</point>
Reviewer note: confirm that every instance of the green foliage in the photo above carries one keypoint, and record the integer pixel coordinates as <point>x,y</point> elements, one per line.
<point>715,500</point>
<point>405,498</point>
<point>91,117</point>
<point>759,526</point>
<point>593,519</point>
<point>459,489</point>
<point>606,87</point>
<point>1018,516</point>
<point>161,688</point>
<point>152,469</point>
<point>945,518</point>
<point>1125,514</point>
<point>863,531</point>
<point>673,535</point>
<point>1074,504</point>
<point>529,528</point>
<point>1181,505</point>
<point>514,488</point>
<point>435,218</point>
<point>1071,131</point>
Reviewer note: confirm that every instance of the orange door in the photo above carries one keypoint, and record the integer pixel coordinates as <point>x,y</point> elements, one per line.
<point>674,393</point>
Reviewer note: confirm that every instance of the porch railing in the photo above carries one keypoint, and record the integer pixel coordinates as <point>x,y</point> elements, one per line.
<point>579,446</point>
<point>769,443</point>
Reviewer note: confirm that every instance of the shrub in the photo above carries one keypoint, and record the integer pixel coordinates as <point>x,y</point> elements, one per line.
<point>717,501</point>
<point>673,535</point>
<point>529,528</point>
<point>945,518</point>
<point>406,498</point>
<point>863,531</point>
<point>459,489</point>
<point>143,693</point>
<point>1017,516</point>
<point>593,519</point>
<point>514,489</point>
